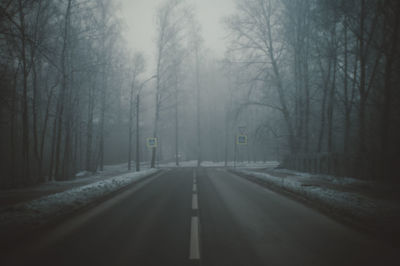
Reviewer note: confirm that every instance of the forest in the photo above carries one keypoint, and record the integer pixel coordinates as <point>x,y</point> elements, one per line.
<point>312,83</point>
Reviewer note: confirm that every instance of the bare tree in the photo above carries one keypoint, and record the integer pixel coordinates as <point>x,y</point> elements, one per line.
<point>171,18</point>
<point>255,34</point>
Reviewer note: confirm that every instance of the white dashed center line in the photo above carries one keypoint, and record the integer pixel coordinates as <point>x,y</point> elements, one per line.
<point>194,227</point>
<point>194,202</point>
<point>194,239</point>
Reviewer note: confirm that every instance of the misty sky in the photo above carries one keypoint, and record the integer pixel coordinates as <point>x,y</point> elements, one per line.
<point>139,15</point>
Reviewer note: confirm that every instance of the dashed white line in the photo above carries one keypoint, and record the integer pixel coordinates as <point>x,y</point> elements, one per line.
<point>194,227</point>
<point>194,239</point>
<point>194,176</point>
<point>195,204</point>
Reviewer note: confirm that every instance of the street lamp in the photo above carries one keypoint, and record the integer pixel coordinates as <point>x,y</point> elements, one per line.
<point>137,121</point>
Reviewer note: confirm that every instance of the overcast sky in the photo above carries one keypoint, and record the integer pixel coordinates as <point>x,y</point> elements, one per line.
<point>139,16</point>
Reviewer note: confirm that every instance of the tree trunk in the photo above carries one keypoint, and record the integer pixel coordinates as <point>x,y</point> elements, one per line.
<point>25,118</point>
<point>176,129</point>
<point>44,128</point>
<point>362,87</point>
<point>89,136</point>
<point>53,150</point>
<point>38,158</point>
<point>330,110</point>
<point>61,100</point>
<point>137,133</point>
<point>198,107</point>
<point>323,106</point>
<point>102,122</point>
<point>386,116</point>
<point>130,127</point>
<point>13,120</point>
<point>157,102</point>
<point>346,100</point>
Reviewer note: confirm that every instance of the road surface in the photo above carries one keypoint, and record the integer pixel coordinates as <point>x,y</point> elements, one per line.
<point>204,216</point>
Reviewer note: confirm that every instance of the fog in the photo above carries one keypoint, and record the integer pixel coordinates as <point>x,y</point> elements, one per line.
<point>139,18</point>
<point>311,84</point>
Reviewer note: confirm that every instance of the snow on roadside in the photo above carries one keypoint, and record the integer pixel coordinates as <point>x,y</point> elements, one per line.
<point>47,207</point>
<point>259,164</point>
<point>351,202</point>
<point>328,178</point>
<point>193,163</point>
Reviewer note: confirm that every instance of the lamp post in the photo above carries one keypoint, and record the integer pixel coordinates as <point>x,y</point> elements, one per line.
<point>137,121</point>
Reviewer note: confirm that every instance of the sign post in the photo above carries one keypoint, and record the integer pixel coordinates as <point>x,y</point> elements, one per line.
<point>240,139</point>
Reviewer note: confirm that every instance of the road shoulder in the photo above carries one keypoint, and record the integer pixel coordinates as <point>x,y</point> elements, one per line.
<point>377,216</point>
<point>26,220</point>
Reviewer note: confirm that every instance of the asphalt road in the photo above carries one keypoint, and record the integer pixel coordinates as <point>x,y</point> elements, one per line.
<point>203,216</point>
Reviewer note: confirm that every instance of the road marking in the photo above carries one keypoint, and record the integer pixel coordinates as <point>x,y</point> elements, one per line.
<point>194,202</point>
<point>194,176</point>
<point>194,231</point>
<point>194,239</point>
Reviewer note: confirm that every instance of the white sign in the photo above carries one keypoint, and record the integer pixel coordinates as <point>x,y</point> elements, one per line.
<point>151,142</point>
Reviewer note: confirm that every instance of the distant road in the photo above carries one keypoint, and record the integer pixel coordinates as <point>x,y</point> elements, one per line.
<point>204,216</point>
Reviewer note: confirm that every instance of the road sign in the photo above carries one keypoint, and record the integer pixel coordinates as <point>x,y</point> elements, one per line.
<point>241,139</point>
<point>151,143</point>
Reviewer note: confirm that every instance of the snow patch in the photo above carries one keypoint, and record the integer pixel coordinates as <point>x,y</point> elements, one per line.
<point>351,202</point>
<point>43,209</point>
<point>82,173</point>
<point>193,163</point>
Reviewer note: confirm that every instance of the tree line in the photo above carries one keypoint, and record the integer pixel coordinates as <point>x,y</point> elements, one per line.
<point>328,71</point>
<point>74,97</point>
<point>305,78</point>
<point>59,71</point>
